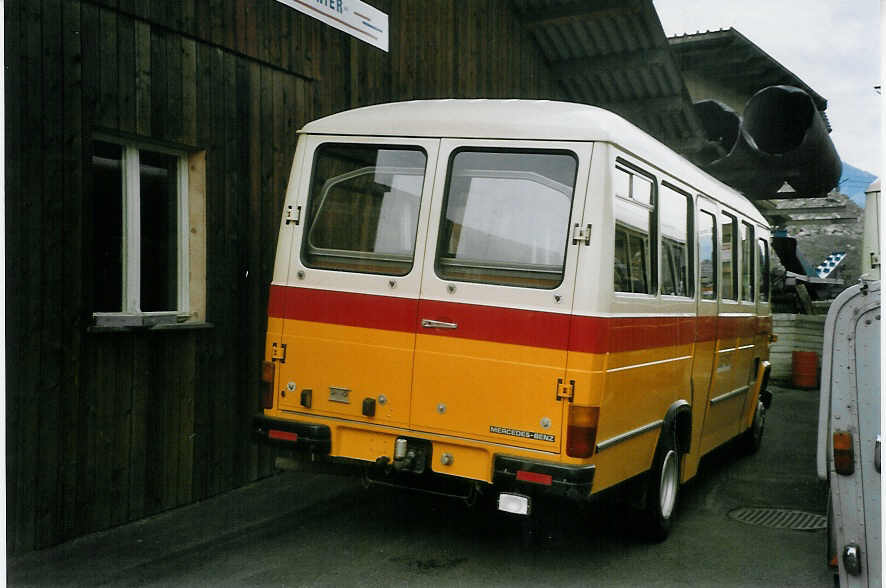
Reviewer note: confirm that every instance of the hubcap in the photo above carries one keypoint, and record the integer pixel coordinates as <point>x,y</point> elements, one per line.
<point>669,483</point>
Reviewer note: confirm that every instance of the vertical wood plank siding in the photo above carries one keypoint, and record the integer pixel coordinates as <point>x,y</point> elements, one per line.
<point>106,428</point>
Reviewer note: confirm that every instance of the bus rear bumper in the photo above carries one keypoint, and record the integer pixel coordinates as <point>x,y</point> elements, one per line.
<point>302,437</point>
<point>308,447</point>
<point>521,475</point>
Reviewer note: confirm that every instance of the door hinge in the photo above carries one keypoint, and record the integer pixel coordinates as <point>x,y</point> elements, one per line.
<point>566,391</point>
<point>581,234</point>
<point>293,214</point>
<point>278,352</point>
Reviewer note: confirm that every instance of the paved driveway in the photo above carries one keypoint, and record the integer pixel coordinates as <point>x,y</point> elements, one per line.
<point>311,530</point>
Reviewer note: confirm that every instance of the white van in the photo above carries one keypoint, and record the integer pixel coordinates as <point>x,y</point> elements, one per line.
<point>849,433</point>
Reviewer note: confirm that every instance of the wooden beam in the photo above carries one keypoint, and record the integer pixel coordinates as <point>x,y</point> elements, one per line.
<point>804,210</point>
<point>840,220</point>
<point>587,66</point>
<point>583,12</point>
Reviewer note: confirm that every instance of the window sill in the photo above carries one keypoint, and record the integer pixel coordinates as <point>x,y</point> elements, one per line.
<point>194,326</point>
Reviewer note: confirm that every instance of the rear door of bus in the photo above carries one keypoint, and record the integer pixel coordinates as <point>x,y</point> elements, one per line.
<point>360,213</point>
<point>497,289</point>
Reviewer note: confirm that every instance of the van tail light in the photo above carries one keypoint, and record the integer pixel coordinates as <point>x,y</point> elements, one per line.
<point>267,378</point>
<point>844,458</point>
<point>581,430</point>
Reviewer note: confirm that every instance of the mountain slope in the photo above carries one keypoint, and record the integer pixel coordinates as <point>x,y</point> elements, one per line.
<point>854,181</point>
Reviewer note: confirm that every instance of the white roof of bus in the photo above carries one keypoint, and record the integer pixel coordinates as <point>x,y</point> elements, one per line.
<point>535,120</point>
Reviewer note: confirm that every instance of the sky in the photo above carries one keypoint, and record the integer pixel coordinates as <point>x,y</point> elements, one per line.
<point>832,45</point>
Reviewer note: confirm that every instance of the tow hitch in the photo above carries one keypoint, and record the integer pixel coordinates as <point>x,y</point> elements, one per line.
<point>410,455</point>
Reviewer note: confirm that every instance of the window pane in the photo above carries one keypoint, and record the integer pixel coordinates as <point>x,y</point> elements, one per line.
<point>763,271</point>
<point>706,266</point>
<point>363,208</point>
<point>728,256</point>
<point>622,271</point>
<point>637,220</point>
<point>674,221</point>
<point>622,183</point>
<point>107,198</point>
<point>641,189</point>
<point>158,185</point>
<point>747,262</point>
<point>507,218</point>
<point>639,248</point>
<point>681,269</point>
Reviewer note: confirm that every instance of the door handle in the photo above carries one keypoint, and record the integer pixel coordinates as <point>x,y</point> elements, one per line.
<point>877,450</point>
<point>431,324</point>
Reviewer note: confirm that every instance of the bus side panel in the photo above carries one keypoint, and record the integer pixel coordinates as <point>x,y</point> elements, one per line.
<point>645,368</point>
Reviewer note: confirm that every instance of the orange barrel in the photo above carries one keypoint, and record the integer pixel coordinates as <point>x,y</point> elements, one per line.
<point>805,369</point>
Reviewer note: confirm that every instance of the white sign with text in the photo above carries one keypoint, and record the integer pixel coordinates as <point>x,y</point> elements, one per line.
<point>354,17</point>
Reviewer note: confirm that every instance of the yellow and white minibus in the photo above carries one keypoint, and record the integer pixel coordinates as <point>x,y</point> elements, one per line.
<point>512,296</point>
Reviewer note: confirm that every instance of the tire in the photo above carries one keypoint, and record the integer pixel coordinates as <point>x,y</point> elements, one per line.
<point>753,437</point>
<point>662,488</point>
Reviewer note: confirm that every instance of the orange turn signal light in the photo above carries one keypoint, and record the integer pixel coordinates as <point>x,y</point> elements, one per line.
<point>581,430</point>
<point>267,372</point>
<point>267,378</point>
<point>844,457</point>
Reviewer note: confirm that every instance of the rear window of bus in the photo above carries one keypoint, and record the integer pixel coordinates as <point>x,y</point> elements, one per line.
<point>363,208</point>
<point>506,217</point>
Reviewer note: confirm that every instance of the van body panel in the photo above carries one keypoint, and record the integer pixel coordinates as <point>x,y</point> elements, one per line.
<point>286,234</point>
<point>493,372</point>
<point>850,402</point>
<point>350,333</point>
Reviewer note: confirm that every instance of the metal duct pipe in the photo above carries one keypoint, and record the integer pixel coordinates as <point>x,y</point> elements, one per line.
<point>789,132</point>
<point>742,167</point>
<point>721,124</point>
<point>782,138</point>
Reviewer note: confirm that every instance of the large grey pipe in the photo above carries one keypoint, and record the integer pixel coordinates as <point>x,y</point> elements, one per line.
<point>742,167</point>
<point>783,123</point>
<point>782,137</point>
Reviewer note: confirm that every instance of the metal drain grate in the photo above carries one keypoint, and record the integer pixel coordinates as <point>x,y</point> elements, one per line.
<point>779,518</point>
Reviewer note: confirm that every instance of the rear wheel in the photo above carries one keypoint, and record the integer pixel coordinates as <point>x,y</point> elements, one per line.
<point>753,437</point>
<point>662,488</point>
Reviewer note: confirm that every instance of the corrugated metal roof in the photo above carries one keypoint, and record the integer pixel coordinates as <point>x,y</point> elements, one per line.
<point>730,58</point>
<point>614,54</point>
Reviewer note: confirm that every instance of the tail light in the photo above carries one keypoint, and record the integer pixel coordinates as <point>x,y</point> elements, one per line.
<point>844,458</point>
<point>267,378</point>
<point>581,430</point>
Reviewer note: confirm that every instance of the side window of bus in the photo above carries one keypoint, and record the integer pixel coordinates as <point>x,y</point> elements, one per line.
<point>506,217</point>
<point>747,262</point>
<point>674,213</point>
<point>707,266</point>
<point>729,257</point>
<point>634,221</point>
<point>763,270</point>
<point>363,208</point>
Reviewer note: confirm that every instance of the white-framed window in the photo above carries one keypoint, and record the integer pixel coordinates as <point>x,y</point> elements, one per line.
<point>148,238</point>
<point>635,251</point>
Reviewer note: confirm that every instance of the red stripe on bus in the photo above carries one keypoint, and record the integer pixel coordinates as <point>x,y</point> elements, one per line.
<point>611,334</point>
<point>343,308</point>
<point>497,324</point>
<point>507,325</point>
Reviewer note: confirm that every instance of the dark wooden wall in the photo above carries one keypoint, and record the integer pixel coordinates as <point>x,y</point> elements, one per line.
<point>104,428</point>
